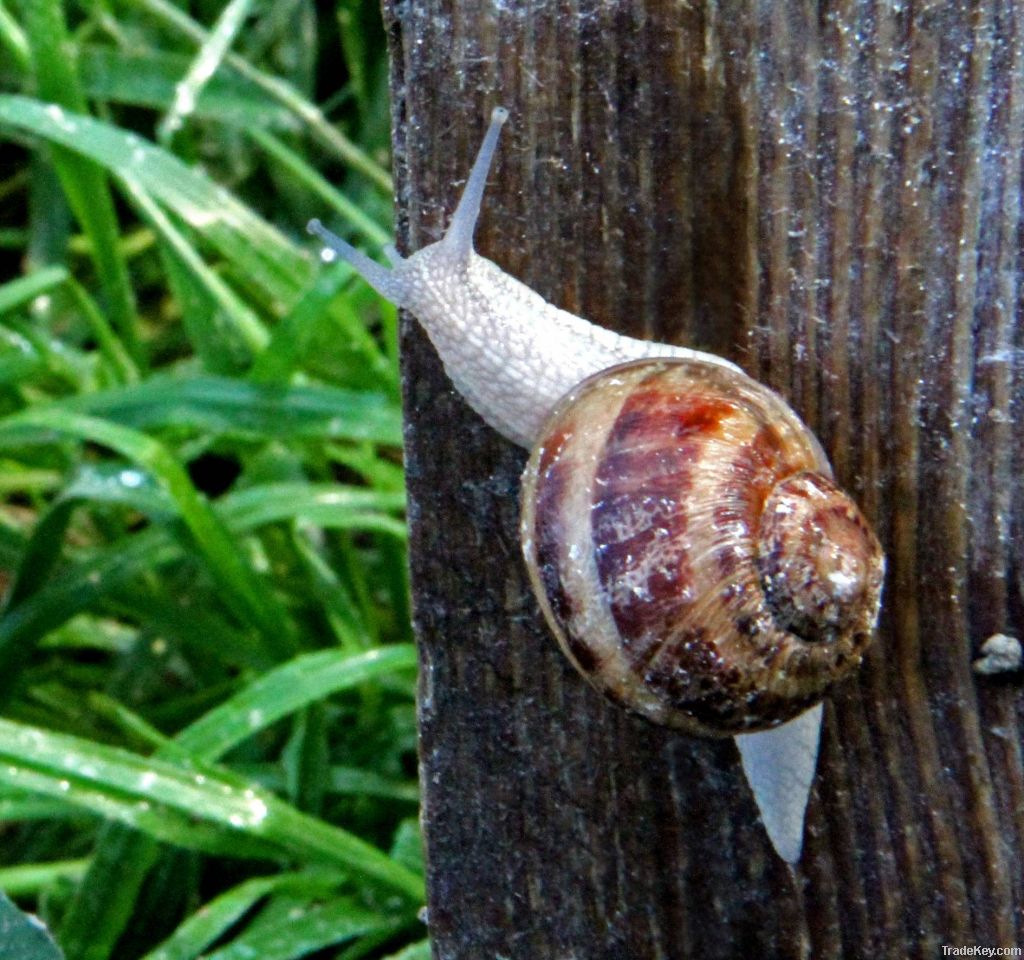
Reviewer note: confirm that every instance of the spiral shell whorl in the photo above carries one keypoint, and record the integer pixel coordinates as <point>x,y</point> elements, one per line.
<point>690,551</point>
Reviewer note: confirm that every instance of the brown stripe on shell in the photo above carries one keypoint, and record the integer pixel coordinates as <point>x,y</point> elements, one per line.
<point>639,515</point>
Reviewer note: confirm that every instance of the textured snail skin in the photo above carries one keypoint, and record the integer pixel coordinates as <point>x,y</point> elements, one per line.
<point>690,551</point>
<point>514,357</point>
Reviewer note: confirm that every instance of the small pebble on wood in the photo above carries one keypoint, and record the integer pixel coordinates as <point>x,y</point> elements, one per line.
<point>999,654</point>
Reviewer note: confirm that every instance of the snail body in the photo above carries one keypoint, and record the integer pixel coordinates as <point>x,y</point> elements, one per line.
<point>680,525</point>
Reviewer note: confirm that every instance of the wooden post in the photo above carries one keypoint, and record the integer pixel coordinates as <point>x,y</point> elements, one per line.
<point>830,195</point>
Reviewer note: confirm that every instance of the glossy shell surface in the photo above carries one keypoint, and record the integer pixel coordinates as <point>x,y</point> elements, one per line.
<point>690,550</point>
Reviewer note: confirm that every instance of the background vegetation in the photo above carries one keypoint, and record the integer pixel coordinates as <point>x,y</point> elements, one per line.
<point>207,740</point>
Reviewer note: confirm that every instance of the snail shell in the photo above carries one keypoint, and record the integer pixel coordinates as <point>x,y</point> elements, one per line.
<point>690,551</point>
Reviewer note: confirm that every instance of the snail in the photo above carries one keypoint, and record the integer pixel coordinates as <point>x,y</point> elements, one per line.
<point>680,525</point>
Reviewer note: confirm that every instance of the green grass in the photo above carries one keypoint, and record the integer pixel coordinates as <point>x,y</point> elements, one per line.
<point>207,723</point>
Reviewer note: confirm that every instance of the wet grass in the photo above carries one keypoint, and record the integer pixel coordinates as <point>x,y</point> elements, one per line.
<point>207,731</point>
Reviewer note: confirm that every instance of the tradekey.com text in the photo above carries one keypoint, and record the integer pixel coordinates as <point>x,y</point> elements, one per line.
<point>982,951</point>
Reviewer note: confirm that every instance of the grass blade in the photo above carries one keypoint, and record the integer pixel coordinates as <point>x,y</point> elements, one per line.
<point>259,250</point>
<point>86,188</point>
<point>17,293</point>
<point>210,55</point>
<point>416,951</point>
<point>100,909</point>
<point>242,320</point>
<point>262,703</point>
<point>243,590</point>
<point>283,92</point>
<point>291,927</point>
<point>86,583</point>
<point>148,79</point>
<point>13,37</point>
<point>160,797</point>
<point>215,918</point>
<point>222,405</point>
<point>286,689</point>
<point>309,177</point>
<point>30,878</point>
<point>293,336</point>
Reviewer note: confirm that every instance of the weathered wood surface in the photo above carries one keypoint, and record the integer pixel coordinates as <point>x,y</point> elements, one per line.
<point>829,194</point>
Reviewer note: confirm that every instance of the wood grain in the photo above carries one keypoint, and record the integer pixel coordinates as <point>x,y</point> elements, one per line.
<point>829,194</point>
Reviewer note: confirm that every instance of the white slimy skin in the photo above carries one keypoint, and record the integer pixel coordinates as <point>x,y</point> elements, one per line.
<point>513,356</point>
